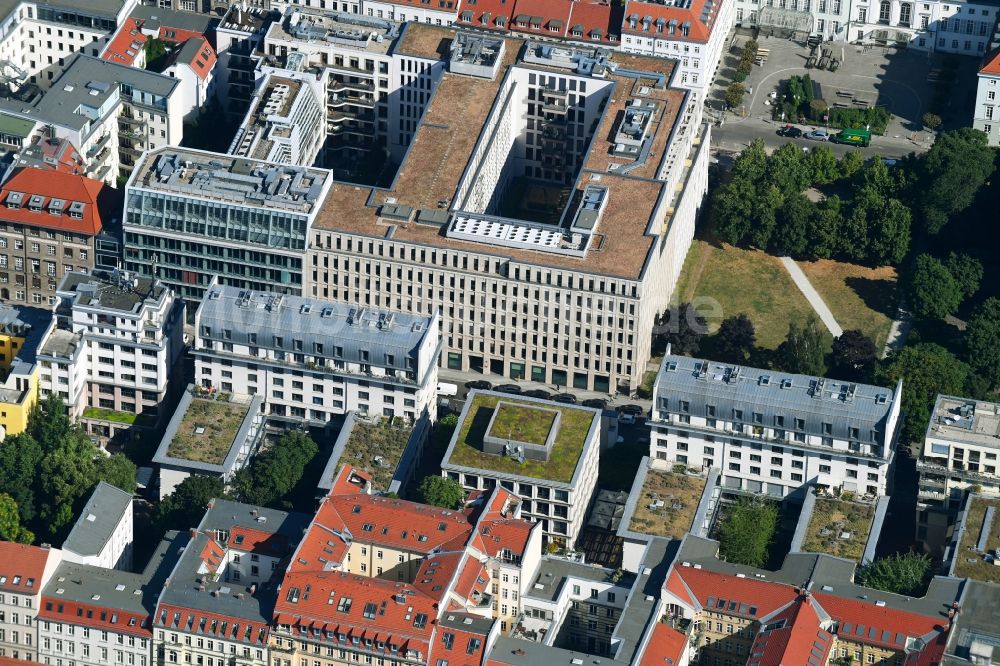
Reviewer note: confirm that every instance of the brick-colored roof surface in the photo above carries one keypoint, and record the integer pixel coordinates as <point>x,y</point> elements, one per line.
<point>53,185</point>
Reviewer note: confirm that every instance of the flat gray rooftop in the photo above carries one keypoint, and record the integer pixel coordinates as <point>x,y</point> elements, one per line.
<point>111,291</point>
<point>965,421</point>
<point>170,18</point>
<point>103,8</point>
<point>228,179</point>
<point>552,574</point>
<point>366,33</point>
<point>98,519</point>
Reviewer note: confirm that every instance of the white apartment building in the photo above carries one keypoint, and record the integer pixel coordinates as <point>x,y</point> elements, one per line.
<point>102,534</point>
<point>24,571</point>
<point>554,475</point>
<point>117,341</point>
<point>311,360</point>
<point>286,121</point>
<point>38,39</point>
<point>987,109</point>
<point>238,38</point>
<point>773,433</point>
<point>192,216</point>
<point>959,456</point>
<point>942,26</point>
<point>522,298</point>
<point>692,32</point>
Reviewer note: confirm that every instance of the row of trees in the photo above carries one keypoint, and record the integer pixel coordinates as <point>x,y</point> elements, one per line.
<point>47,472</point>
<point>764,205</point>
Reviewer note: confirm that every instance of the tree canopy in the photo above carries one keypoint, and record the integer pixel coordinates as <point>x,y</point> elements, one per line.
<point>735,339</point>
<point>804,349</point>
<point>273,475</point>
<point>441,491</point>
<point>901,573</point>
<point>950,174</point>
<point>982,339</point>
<point>746,532</point>
<point>933,291</point>
<point>852,357</point>
<point>184,508</point>
<point>10,522</point>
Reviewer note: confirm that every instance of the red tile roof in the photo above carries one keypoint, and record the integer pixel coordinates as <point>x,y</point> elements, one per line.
<point>50,185</point>
<point>127,43</point>
<point>542,17</point>
<point>95,616</point>
<point>52,154</point>
<point>202,56</point>
<point>738,596</point>
<point>487,14</point>
<point>463,650</point>
<point>792,636</point>
<point>665,648</point>
<point>991,63</point>
<point>397,523</point>
<point>367,608</point>
<point>652,19</point>
<point>879,625</point>
<point>351,481</point>
<point>436,573</point>
<point>22,567</point>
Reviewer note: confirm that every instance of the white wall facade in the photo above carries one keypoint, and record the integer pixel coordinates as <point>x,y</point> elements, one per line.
<point>65,643</point>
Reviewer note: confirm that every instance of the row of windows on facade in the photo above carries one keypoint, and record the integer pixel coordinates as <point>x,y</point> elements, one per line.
<point>757,419</point>
<point>755,446</point>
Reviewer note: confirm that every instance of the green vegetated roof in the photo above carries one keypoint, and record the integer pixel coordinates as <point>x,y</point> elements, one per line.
<point>839,527</point>
<point>523,423</point>
<point>377,447</point>
<point>574,426</point>
<point>667,504</point>
<point>971,564</point>
<point>207,430</point>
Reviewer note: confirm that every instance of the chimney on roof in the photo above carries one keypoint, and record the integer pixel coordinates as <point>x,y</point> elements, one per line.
<point>45,546</point>
<point>194,532</point>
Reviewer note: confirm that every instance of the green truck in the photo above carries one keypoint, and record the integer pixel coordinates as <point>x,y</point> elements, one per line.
<point>853,137</point>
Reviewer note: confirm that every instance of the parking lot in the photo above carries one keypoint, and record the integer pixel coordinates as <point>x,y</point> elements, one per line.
<point>900,80</point>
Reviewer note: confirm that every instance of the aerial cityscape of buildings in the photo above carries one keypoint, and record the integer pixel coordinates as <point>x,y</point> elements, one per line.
<point>438,241</point>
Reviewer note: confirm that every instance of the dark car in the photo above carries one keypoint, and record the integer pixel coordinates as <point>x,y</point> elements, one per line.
<point>568,398</point>
<point>537,393</point>
<point>595,403</point>
<point>480,384</point>
<point>791,131</point>
<point>508,388</point>
<point>634,410</point>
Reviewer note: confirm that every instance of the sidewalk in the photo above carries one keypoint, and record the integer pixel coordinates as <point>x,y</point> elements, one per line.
<point>815,300</point>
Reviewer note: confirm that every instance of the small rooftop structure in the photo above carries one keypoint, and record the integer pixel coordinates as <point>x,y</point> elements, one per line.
<point>523,437</point>
<point>337,28</point>
<point>114,290</point>
<point>965,421</point>
<point>476,55</point>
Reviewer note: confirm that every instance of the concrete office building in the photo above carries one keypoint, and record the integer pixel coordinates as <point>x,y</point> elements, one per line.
<point>51,224</point>
<point>191,216</point>
<point>24,572</point>
<point>561,291</point>
<point>102,534</point>
<point>543,451</point>
<point>773,433</point>
<point>959,455</point>
<point>311,360</point>
<point>117,340</point>
<point>238,39</point>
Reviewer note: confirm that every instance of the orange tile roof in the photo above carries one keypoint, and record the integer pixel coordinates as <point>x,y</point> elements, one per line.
<point>397,523</point>
<point>551,17</point>
<point>698,30</point>
<point>991,63</point>
<point>22,567</point>
<point>666,646</point>
<point>393,610</point>
<point>436,573</point>
<point>492,536</point>
<point>485,14</point>
<point>738,596</point>
<point>54,185</point>
<point>462,651</point>
<point>878,625</point>
<point>350,481</point>
<point>792,636</point>
<point>127,43</point>
<point>95,616</point>
<point>202,59</point>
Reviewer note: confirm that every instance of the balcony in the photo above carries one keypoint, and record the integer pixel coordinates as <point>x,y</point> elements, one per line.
<point>340,86</point>
<point>925,467</point>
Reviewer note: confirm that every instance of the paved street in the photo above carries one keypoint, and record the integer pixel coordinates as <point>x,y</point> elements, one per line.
<point>735,136</point>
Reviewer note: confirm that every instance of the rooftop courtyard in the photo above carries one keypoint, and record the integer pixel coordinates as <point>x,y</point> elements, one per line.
<point>667,504</point>
<point>839,527</point>
<point>207,430</point>
<point>971,561</point>
<point>528,421</point>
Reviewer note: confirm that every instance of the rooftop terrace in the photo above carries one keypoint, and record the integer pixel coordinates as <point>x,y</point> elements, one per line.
<point>377,447</point>
<point>307,26</point>
<point>112,291</point>
<point>207,430</point>
<point>570,440</point>
<point>839,527</point>
<point>979,547</point>
<point>668,504</point>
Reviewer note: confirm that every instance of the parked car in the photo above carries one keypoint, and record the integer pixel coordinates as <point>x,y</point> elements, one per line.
<point>634,410</point>
<point>790,131</point>
<point>627,419</point>
<point>537,393</point>
<point>480,384</point>
<point>568,398</point>
<point>818,135</point>
<point>595,403</point>
<point>508,388</point>
<point>444,388</point>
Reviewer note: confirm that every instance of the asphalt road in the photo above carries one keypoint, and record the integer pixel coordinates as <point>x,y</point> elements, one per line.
<point>735,135</point>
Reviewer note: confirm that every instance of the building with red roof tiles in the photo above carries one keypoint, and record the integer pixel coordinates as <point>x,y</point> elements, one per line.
<point>59,220</point>
<point>666,647</point>
<point>492,15</point>
<point>985,113</point>
<point>738,610</point>
<point>462,639</point>
<point>50,153</point>
<point>692,32</point>
<point>586,21</point>
<point>24,571</point>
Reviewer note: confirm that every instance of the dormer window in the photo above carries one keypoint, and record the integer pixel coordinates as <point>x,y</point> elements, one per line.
<point>56,206</point>
<point>14,199</point>
<point>76,210</point>
<point>35,202</point>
